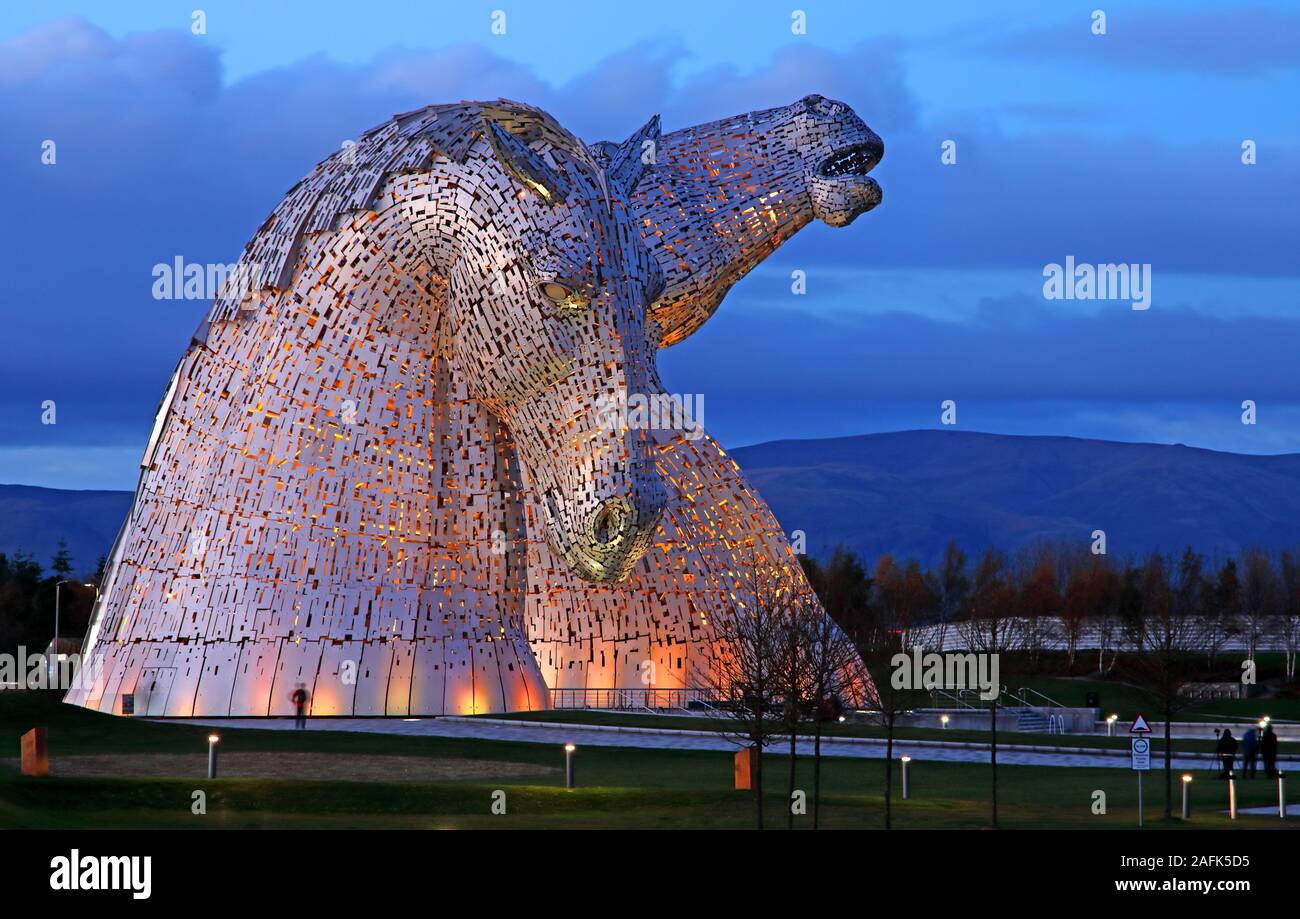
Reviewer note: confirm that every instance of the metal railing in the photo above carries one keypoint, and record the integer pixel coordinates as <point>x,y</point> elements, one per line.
<point>941,698</point>
<point>634,698</point>
<point>1025,692</point>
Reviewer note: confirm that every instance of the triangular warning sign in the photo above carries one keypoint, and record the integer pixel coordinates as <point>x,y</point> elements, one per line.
<point>1140,725</point>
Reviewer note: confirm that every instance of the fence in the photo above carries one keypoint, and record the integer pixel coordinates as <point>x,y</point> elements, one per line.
<point>1049,633</point>
<point>632,698</point>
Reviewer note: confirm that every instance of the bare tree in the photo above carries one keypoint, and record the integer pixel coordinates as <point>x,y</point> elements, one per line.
<point>953,591</point>
<point>1107,624</point>
<point>748,674</point>
<point>832,661</point>
<point>794,676</point>
<point>1223,604</point>
<point>1261,596</point>
<point>1288,626</point>
<point>1165,624</point>
<point>1039,599</point>
<point>833,645</point>
<point>991,631</point>
<point>880,645</point>
<point>1089,600</point>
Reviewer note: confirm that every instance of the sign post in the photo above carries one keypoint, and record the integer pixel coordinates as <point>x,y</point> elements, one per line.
<point>1140,753</point>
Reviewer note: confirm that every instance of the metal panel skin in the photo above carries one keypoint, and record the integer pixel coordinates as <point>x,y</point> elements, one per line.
<point>255,677</point>
<point>402,462</point>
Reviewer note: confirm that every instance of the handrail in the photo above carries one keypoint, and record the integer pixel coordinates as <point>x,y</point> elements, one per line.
<point>988,703</point>
<point>630,698</point>
<point>1048,699</point>
<point>935,693</point>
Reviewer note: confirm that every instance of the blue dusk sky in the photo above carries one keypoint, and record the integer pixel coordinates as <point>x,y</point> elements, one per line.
<point>1122,147</point>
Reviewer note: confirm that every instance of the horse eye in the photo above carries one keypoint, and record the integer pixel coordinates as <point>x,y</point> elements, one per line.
<point>565,298</point>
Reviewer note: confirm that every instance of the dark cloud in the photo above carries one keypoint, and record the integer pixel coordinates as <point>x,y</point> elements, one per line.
<point>1014,347</point>
<point>158,158</point>
<point>1245,40</point>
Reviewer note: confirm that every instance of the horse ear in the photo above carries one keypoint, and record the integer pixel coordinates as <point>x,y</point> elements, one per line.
<point>525,166</point>
<point>630,159</point>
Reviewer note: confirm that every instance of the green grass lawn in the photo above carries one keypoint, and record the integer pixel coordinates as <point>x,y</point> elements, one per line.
<point>620,788</point>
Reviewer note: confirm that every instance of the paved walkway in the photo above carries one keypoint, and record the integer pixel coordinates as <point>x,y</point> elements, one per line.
<point>651,738</point>
<point>1292,810</point>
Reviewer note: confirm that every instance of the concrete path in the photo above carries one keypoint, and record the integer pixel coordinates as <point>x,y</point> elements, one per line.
<point>1292,810</point>
<point>652,738</point>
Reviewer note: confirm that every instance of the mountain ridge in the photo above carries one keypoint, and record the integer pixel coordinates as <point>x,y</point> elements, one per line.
<point>908,492</point>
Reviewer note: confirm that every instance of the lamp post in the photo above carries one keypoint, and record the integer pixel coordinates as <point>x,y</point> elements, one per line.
<point>1281,794</point>
<point>1232,795</point>
<point>568,764</point>
<point>907,777</point>
<point>212,755</point>
<point>1187,796</point>
<point>55,644</point>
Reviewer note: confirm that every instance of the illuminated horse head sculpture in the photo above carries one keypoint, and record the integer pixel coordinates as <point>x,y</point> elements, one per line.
<point>548,289</point>
<point>386,466</point>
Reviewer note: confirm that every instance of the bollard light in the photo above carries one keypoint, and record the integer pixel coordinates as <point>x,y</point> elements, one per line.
<point>841,719</point>
<point>1110,725</point>
<point>943,719</point>
<point>907,777</point>
<point>1232,796</point>
<point>568,764</point>
<point>1187,796</point>
<point>212,755</point>
<point>1281,794</point>
<point>1262,723</point>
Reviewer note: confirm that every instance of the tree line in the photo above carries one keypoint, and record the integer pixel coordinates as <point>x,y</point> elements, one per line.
<point>27,597</point>
<point>1048,596</point>
<point>790,669</point>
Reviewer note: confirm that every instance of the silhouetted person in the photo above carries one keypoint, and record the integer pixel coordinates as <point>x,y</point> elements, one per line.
<point>299,699</point>
<point>1227,750</point>
<point>1268,749</point>
<point>1249,750</point>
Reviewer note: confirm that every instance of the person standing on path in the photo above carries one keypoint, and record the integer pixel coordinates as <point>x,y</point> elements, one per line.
<point>299,700</point>
<point>1249,752</point>
<point>1227,750</point>
<point>1268,749</point>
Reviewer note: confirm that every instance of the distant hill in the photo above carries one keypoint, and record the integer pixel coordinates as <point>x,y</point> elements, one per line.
<point>33,520</point>
<point>912,491</point>
<point>908,492</point>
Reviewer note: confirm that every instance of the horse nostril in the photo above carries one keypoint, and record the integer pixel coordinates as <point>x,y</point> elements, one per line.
<point>611,520</point>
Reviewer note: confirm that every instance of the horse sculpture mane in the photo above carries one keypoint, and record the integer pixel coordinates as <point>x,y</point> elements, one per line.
<point>385,468</point>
